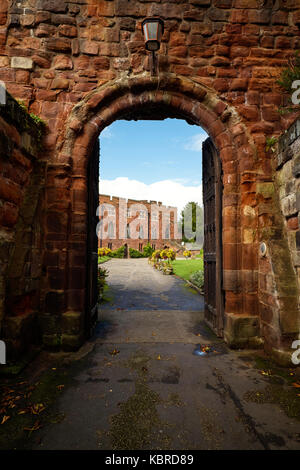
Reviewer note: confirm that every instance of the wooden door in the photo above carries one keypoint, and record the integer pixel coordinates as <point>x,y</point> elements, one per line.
<point>92,242</point>
<point>212,248</point>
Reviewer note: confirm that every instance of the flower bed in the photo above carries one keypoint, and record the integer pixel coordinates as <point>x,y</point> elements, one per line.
<point>161,260</point>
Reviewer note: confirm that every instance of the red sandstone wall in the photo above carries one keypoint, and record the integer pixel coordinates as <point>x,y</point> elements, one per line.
<point>21,178</point>
<point>59,51</point>
<point>218,65</point>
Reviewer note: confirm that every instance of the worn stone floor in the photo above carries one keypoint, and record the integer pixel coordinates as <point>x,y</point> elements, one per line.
<point>137,384</point>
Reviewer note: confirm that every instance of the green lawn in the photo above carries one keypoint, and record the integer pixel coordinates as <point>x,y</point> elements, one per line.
<point>102,259</point>
<point>184,268</point>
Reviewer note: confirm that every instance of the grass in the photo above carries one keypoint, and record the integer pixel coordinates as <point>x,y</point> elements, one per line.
<point>185,268</point>
<point>103,259</point>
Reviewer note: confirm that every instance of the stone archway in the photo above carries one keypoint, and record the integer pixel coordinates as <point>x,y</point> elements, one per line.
<point>168,96</point>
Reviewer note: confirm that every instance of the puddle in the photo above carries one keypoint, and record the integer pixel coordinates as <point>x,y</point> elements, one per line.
<point>205,350</point>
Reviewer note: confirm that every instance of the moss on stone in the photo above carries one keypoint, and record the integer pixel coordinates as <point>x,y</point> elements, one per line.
<point>278,392</point>
<point>286,397</point>
<point>16,113</point>
<point>138,425</point>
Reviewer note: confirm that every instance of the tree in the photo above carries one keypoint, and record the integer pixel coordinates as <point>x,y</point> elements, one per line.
<point>192,223</point>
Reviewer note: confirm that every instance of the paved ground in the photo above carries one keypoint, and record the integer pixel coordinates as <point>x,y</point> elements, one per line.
<point>141,386</point>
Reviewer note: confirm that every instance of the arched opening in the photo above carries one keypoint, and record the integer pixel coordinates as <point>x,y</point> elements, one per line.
<point>125,134</point>
<point>144,98</point>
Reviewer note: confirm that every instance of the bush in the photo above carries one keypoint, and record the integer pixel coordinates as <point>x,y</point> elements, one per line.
<point>187,254</point>
<point>101,282</point>
<point>148,250</point>
<point>168,253</point>
<point>155,255</point>
<point>197,278</point>
<point>104,251</point>
<point>135,253</point>
<point>118,253</point>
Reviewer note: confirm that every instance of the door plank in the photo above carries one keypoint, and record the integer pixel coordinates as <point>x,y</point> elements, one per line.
<point>212,249</point>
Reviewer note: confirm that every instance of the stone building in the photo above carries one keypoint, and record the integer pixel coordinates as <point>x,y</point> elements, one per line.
<point>136,223</point>
<point>80,65</point>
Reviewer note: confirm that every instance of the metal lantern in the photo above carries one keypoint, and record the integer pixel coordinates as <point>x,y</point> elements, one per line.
<point>153,29</point>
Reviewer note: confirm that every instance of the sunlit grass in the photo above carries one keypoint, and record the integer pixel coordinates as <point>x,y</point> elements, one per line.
<point>185,268</point>
<point>102,259</point>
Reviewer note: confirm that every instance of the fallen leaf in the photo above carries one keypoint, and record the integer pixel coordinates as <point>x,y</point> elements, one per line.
<point>37,408</point>
<point>265,372</point>
<point>158,357</point>
<point>4,419</point>
<point>114,352</point>
<point>35,427</point>
<point>22,412</point>
<point>296,384</point>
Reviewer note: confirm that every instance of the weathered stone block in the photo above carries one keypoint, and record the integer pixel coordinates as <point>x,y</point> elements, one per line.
<point>241,331</point>
<point>288,205</point>
<point>58,44</point>
<point>72,322</point>
<point>56,6</point>
<point>49,324</point>
<point>71,342</point>
<point>52,341</point>
<point>265,189</point>
<point>22,63</point>
<point>289,314</point>
<point>89,47</point>
<point>20,327</point>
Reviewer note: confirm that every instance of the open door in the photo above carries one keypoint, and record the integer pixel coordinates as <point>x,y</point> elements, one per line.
<point>92,242</point>
<point>212,248</point>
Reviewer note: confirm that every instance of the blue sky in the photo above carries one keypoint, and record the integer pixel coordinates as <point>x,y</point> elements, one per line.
<point>159,160</point>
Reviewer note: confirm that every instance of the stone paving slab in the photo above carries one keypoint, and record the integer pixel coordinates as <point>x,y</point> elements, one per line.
<point>161,396</point>
<point>141,386</point>
<point>136,285</point>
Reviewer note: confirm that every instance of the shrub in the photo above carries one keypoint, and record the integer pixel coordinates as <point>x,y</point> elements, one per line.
<point>118,253</point>
<point>167,268</point>
<point>135,253</point>
<point>148,250</point>
<point>187,254</point>
<point>168,253</point>
<point>171,254</point>
<point>104,252</point>
<point>101,281</point>
<point>197,278</point>
<point>156,255</point>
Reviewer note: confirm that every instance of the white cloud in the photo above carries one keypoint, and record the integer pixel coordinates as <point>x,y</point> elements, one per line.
<point>169,192</point>
<point>195,142</point>
<point>106,133</point>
